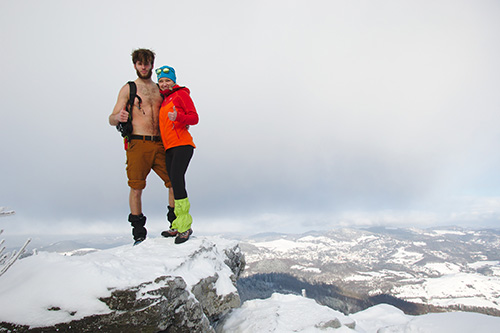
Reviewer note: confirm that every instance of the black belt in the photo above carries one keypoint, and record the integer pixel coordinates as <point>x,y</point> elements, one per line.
<point>145,137</point>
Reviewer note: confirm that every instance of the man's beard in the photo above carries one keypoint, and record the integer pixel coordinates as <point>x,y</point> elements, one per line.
<point>145,77</point>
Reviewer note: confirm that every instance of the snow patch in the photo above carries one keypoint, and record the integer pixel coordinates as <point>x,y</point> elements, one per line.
<point>46,281</point>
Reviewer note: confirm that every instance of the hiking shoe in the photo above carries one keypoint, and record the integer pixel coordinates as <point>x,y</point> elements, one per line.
<point>169,233</point>
<point>183,236</point>
<point>139,241</point>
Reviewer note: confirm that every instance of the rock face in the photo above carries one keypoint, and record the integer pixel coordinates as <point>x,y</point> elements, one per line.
<point>165,304</point>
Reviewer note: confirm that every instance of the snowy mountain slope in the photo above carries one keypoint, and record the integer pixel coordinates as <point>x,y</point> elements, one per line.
<point>439,267</point>
<point>291,313</point>
<point>32,286</point>
<point>75,285</point>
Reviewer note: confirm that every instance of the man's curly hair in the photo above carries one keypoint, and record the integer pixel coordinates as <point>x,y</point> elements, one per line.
<point>144,56</point>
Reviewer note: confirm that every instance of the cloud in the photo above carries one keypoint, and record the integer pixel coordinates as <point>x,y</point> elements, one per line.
<point>327,109</point>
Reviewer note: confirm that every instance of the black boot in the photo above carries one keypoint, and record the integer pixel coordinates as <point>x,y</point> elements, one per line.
<point>170,218</point>
<point>138,230</point>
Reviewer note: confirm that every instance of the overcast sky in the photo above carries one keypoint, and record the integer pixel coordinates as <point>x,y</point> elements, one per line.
<point>313,114</point>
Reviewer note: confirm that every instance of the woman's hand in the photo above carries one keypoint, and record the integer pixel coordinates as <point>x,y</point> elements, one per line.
<point>172,115</point>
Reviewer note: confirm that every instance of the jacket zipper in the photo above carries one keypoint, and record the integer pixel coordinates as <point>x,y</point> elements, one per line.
<point>175,129</point>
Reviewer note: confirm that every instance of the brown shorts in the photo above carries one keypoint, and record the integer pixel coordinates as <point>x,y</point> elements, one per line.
<point>142,157</point>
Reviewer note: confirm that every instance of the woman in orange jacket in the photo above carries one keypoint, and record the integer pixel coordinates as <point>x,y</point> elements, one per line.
<point>177,113</point>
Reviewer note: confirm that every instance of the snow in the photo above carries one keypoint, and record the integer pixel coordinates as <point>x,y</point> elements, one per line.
<point>485,263</point>
<point>74,283</point>
<point>454,288</point>
<point>282,313</point>
<point>306,269</point>
<point>385,318</point>
<point>291,313</point>
<point>404,257</point>
<point>443,268</point>
<point>364,276</point>
<point>370,275</point>
<point>281,245</point>
<point>314,243</point>
<point>453,322</point>
<point>446,232</point>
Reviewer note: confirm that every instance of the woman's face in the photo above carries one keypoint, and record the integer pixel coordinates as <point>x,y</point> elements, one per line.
<point>165,83</point>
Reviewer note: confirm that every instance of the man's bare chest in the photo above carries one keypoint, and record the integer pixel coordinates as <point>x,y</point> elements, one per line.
<point>149,101</point>
<point>150,96</point>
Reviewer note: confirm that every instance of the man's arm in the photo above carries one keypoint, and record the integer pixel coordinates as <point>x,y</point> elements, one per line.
<point>119,114</point>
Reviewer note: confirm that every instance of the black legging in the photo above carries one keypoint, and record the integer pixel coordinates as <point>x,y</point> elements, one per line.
<point>178,159</point>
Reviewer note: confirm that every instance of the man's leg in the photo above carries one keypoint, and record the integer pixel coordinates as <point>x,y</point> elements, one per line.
<point>138,230</point>
<point>135,201</point>
<point>139,160</point>
<point>136,218</point>
<point>171,199</point>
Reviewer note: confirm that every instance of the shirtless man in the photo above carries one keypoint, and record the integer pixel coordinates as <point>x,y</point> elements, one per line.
<point>145,151</point>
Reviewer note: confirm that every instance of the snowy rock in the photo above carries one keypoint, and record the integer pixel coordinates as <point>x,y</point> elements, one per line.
<point>214,305</point>
<point>285,313</point>
<point>156,286</point>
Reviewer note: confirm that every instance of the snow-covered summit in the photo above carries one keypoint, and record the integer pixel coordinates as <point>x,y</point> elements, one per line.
<point>55,288</point>
<point>50,288</point>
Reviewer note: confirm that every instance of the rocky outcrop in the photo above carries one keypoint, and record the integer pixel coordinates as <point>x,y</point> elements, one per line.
<point>166,304</point>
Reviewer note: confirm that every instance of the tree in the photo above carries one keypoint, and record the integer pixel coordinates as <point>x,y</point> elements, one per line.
<point>8,259</point>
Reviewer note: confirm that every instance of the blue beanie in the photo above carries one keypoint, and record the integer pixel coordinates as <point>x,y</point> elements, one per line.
<point>166,71</point>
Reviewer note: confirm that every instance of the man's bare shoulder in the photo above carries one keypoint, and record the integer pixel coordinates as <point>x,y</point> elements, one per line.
<point>121,102</point>
<point>124,91</point>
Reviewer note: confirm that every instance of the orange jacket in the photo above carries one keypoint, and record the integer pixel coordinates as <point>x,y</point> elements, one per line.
<point>175,133</point>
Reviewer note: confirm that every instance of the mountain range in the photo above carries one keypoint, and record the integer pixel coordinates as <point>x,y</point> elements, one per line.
<point>417,270</point>
<point>351,269</point>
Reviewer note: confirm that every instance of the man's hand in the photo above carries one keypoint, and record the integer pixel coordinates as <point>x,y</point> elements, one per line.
<point>172,115</point>
<point>122,116</point>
